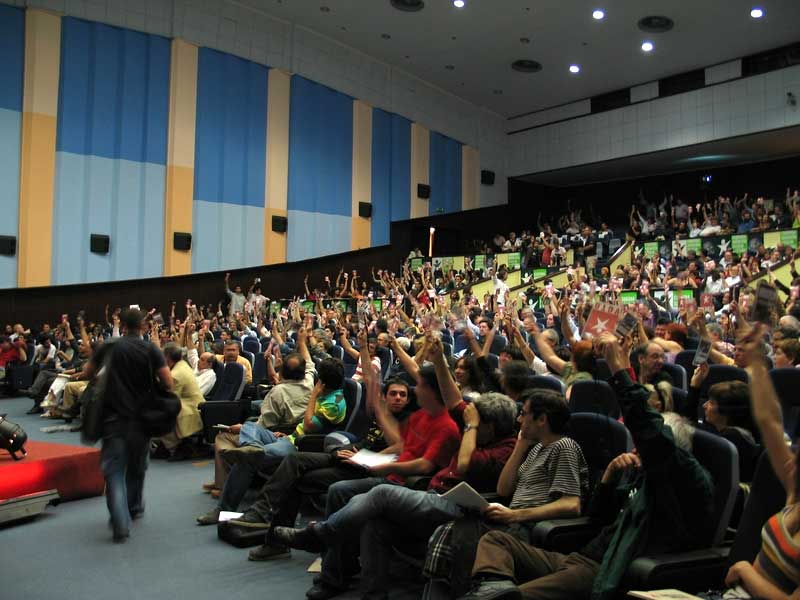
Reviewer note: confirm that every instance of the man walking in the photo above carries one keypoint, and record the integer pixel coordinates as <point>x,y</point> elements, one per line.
<point>130,365</point>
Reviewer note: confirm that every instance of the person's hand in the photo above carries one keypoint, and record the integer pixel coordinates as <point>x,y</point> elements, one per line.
<point>74,376</point>
<point>362,338</point>
<point>235,428</point>
<point>612,351</point>
<point>620,463</point>
<point>471,415</point>
<point>278,434</point>
<point>751,347</point>
<point>302,335</point>
<point>343,332</point>
<point>734,575</point>
<point>699,376</point>
<point>319,389</point>
<point>227,276</point>
<point>500,514</point>
<point>345,454</point>
<point>435,348</point>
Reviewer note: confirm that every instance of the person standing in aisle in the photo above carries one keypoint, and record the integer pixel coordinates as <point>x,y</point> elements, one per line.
<point>131,365</point>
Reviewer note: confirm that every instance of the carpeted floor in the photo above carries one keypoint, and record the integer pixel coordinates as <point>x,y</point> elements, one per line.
<point>67,553</point>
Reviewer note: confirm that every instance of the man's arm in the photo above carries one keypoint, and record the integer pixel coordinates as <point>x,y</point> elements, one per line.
<point>548,355</point>
<point>347,346</point>
<point>448,387</point>
<point>563,507</point>
<point>508,477</point>
<point>418,466</point>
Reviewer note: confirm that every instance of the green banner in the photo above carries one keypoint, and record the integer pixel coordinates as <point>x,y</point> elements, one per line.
<point>416,263</point>
<point>789,238</point>
<point>695,244</point>
<point>650,249</point>
<point>479,264</point>
<point>539,273</point>
<point>308,306</point>
<point>513,261</point>
<point>447,264</point>
<point>739,244</point>
<point>378,304</point>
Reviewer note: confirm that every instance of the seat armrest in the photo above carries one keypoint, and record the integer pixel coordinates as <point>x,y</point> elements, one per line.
<point>418,482</point>
<point>221,412</point>
<point>695,569</point>
<point>287,429</point>
<point>311,442</point>
<point>564,535</point>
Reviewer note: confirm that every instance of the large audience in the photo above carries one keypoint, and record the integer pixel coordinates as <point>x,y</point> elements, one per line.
<point>460,389</point>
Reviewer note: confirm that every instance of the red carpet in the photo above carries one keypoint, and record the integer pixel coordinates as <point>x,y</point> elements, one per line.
<point>73,470</point>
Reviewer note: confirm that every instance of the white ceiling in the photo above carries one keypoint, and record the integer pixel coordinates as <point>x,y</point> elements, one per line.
<point>487,40</point>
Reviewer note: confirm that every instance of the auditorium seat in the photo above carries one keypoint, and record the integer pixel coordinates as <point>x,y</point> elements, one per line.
<point>546,382</point>
<point>337,352</point>
<point>595,397</point>
<point>719,373</point>
<point>249,356</point>
<point>684,358</point>
<point>678,375</point>
<point>493,360</point>
<point>356,419</point>
<point>601,370</point>
<point>251,344</point>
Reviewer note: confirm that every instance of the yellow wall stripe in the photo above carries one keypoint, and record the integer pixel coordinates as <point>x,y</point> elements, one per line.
<point>179,202</point>
<point>38,148</point>
<point>362,173</point>
<point>420,167</point>
<point>470,178</point>
<point>277,185</point>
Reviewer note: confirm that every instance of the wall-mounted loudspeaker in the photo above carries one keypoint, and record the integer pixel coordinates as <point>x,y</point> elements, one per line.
<point>423,191</point>
<point>487,177</point>
<point>99,243</point>
<point>8,245</point>
<point>364,210</point>
<point>182,240</point>
<point>279,224</point>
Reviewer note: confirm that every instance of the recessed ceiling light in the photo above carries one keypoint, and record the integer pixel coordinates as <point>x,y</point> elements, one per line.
<point>497,92</point>
<point>386,36</point>
<point>525,40</point>
<point>656,24</point>
<point>574,69</point>
<point>450,67</point>
<point>598,15</point>
<point>647,46</point>
<point>408,5</point>
<point>459,3</point>
<point>757,13</point>
<point>324,9</point>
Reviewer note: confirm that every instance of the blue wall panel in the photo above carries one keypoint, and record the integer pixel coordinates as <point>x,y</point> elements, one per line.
<point>391,173</point>
<point>111,150</point>
<point>226,236</point>
<point>312,234</point>
<point>12,57</point>
<point>12,61</point>
<point>231,132</point>
<point>113,93</point>
<point>320,170</point>
<point>445,174</point>
<point>119,198</point>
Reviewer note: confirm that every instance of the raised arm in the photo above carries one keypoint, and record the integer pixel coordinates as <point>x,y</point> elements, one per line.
<point>447,386</point>
<point>566,330</point>
<point>348,347</point>
<point>548,355</point>
<point>767,412</point>
<point>408,363</point>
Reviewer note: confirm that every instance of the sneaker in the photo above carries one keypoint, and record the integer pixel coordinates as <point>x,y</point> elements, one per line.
<point>301,539</point>
<point>323,591</point>
<point>251,520</point>
<point>269,552</point>
<point>210,518</point>
<point>494,590</point>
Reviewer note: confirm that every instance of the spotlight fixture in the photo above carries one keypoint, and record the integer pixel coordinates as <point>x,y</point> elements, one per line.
<point>459,3</point>
<point>386,36</point>
<point>497,92</point>
<point>574,69</point>
<point>647,46</point>
<point>757,12</point>
<point>524,65</point>
<point>598,15</point>
<point>325,9</point>
<point>450,67</point>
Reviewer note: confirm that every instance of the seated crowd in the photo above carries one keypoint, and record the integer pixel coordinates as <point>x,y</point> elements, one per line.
<point>482,392</point>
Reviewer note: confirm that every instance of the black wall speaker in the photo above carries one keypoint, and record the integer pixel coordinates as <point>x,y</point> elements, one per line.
<point>99,243</point>
<point>279,224</point>
<point>487,177</point>
<point>8,245</point>
<point>182,240</point>
<point>423,190</point>
<point>364,210</point>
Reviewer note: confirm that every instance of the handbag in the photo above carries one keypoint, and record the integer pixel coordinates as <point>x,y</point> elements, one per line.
<point>92,410</point>
<point>160,411</point>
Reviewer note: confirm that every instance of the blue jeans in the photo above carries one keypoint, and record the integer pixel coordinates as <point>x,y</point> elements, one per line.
<point>124,459</point>
<point>412,513</point>
<point>248,465</point>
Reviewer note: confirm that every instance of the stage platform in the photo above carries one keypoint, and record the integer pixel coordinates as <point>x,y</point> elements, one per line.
<point>72,470</point>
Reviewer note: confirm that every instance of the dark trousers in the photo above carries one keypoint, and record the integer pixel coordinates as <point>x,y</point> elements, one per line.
<point>540,575</point>
<point>124,458</point>
<point>301,473</point>
<point>42,383</point>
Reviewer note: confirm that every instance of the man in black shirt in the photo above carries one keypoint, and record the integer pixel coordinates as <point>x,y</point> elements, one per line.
<point>130,364</point>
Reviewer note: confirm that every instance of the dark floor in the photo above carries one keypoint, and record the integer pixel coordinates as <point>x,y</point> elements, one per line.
<point>67,553</point>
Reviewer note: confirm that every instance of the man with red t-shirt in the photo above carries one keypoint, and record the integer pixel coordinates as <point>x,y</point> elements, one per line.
<point>11,352</point>
<point>388,512</point>
<point>429,443</point>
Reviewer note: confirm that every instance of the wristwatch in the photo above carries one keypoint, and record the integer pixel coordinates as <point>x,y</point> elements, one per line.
<point>468,427</point>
